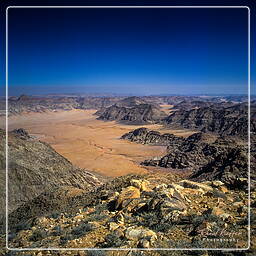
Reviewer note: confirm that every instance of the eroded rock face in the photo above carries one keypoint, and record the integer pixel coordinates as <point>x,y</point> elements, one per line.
<point>208,156</point>
<point>27,103</point>
<point>229,167</point>
<point>194,151</point>
<point>146,136</point>
<point>223,120</point>
<point>141,114</point>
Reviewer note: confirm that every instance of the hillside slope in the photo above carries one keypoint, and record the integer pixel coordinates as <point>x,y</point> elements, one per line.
<point>35,166</point>
<point>137,212</point>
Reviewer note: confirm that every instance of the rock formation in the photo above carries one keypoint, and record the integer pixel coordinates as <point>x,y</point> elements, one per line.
<point>150,137</point>
<point>232,120</point>
<point>207,157</point>
<point>132,111</point>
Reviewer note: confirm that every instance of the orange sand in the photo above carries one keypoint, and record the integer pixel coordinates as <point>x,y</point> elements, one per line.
<point>89,143</point>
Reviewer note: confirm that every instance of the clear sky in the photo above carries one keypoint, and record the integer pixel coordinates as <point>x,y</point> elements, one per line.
<point>128,51</point>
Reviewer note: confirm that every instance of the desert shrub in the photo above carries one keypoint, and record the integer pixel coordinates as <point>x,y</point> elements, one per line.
<point>148,219</point>
<point>97,215</point>
<point>54,215</point>
<point>221,253</point>
<point>22,226</point>
<point>181,253</point>
<point>82,229</point>
<point>57,231</point>
<point>162,227</point>
<point>112,240</point>
<point>38,235</point>
<point>197,220</point>
<point>65,237</point>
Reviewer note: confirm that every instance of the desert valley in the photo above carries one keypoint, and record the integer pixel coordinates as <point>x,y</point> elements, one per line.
<point>128,172</point>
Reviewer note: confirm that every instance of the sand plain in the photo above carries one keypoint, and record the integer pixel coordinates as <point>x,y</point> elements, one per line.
<point>90,143</point>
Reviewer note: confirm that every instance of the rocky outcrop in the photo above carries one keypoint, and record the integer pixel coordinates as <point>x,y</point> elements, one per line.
<point>230,167</point>
<point>138,114</point>
<point>232,120</point>
<point>21,133</point>
<point>183,153</point>
<point>137,212</point>
<point>150,137</point>
<point>209,162</point>
<point>208,157</point>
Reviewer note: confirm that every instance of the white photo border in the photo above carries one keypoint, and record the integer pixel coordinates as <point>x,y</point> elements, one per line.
<point>129,249</point>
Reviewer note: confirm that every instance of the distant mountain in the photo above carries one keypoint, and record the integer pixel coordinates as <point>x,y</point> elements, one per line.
<point>187,104</point>
<point>42,103</point>
<point>131,102</point>
<point>39,104</point>
<point>224,120</point>
<point>26,103</point>
<point>132,110</point>
<point>141,114</point>
<point>96,102</point>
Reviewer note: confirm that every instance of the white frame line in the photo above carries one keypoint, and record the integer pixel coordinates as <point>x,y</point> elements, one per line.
<point>129,249</point>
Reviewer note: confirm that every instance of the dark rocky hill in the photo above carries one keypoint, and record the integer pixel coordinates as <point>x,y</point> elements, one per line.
<point>141,114</point>
<point>188,104</point>
<point>191,103</point>
<point>208,157</point>
<point>232,120</point>
<point>150,137</point>
<point>132,110</point>
<point>34,167</point>
<point>229,166</point>
<point>131,102</point>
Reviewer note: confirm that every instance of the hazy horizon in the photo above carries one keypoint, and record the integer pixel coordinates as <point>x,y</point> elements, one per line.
<point>81,94</point>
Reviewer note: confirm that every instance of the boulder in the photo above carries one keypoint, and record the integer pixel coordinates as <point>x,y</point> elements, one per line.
<point>137,233</point>
<point>125,195</point>
<point>195,185</point>
<point>142,185</point>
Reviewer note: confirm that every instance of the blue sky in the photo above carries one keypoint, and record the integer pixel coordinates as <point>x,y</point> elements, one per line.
<point>128,51</point>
